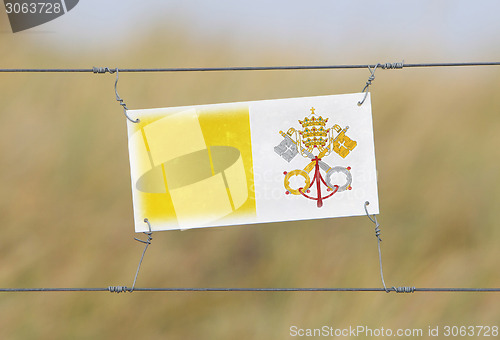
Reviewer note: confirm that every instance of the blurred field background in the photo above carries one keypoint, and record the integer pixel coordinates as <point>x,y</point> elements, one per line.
<point>66,209</point>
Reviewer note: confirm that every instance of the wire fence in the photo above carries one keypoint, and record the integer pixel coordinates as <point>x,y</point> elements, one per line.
<point>371,67</point>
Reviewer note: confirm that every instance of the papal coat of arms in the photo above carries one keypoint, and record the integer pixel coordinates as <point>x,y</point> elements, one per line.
<point>315,142</point>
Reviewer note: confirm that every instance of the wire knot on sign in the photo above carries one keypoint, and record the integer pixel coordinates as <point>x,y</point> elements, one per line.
<point>368,83</point>
<point>118,99</point>
<point>385,66</point>
<point>374,220</point>
<point>148,233</point>
<point>102,70</point>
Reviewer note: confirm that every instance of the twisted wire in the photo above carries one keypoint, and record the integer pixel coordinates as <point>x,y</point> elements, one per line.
<point>404,289</point>
<point>368,83</point>
<point>117,289</point>
<point>377,234</point>
<point>102,70</point>
<point>118,99</point>
<point>147,242</point>
<point>379,239</point>
<point>392,66</point>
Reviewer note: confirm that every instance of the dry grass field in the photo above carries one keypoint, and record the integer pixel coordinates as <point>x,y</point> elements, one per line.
<point>66,208</point>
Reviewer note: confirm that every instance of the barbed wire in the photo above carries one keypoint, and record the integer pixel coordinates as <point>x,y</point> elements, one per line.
<point>398,65</point>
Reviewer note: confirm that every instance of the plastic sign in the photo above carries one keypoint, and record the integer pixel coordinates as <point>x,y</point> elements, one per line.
<point>252,162</point>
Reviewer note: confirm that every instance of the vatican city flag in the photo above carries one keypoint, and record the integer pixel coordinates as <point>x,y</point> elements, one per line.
<point>252,162</point>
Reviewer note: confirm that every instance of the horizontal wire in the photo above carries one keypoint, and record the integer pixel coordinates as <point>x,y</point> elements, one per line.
<point>246,68</point>
<point>108,289</point>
